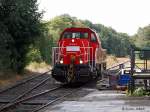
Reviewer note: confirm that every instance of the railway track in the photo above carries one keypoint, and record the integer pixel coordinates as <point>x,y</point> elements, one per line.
<point>20,90</point>
<point>17,104</point>
<point>23,82</point>
<point>33,94</point>
<point>36,102</point>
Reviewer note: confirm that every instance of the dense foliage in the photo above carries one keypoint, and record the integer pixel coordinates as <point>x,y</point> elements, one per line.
<point>142,38</point>
<point>19,27</point>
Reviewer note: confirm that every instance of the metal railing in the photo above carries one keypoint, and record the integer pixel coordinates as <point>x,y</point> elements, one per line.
<point>85,52</point>
<point>140,59</point>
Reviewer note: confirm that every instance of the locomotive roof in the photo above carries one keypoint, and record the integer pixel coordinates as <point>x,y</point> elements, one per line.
<point>73,29</point>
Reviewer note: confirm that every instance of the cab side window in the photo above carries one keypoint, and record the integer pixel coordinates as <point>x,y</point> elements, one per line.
<point>93,38</point>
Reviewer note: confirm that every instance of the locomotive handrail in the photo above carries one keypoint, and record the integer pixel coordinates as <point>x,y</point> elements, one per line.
<point>56,54</point>
<point>66,47</point>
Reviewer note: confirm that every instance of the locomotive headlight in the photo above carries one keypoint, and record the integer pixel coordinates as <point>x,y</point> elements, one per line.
<point>72,40</point>
<point>81,61</point>
<point>61,61</point>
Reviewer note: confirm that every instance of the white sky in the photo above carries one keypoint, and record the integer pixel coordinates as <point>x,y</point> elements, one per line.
<point>122,15</point>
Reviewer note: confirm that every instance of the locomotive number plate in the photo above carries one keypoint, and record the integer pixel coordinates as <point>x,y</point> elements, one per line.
<point>73,48</point>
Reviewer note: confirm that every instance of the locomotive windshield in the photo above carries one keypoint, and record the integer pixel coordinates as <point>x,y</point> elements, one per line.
<point>81,35</point>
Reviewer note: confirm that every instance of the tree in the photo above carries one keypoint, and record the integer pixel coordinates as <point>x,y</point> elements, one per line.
<point>20,20</point>
<point>142,38</point>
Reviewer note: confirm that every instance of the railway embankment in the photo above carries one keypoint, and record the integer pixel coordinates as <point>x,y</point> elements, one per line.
<point>10,78</point>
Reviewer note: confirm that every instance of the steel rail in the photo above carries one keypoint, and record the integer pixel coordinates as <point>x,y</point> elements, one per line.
<point>23,82</point>
<point>57,99</point>
<point>52,101</point>
<point>22,95</point>
<point>39,94</point>
<point>22,101</point>
<point>30,97</point>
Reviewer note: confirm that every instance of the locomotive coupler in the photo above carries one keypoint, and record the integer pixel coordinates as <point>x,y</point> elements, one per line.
<point>71,71</point>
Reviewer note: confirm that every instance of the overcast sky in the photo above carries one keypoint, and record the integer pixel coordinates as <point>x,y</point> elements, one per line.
<point>122,15</point>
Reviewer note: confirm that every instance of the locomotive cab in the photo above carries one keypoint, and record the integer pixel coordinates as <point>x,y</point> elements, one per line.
<point>76,59</point>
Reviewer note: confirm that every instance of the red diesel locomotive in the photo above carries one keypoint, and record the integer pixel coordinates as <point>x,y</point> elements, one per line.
<point>78,57</point>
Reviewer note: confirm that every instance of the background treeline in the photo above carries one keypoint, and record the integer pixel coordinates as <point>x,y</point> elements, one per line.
<point>142,38</point>
<point>24,38</point>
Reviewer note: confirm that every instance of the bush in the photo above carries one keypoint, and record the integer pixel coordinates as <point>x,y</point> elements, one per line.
<point>33,55</point>
<point>139,92</point>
